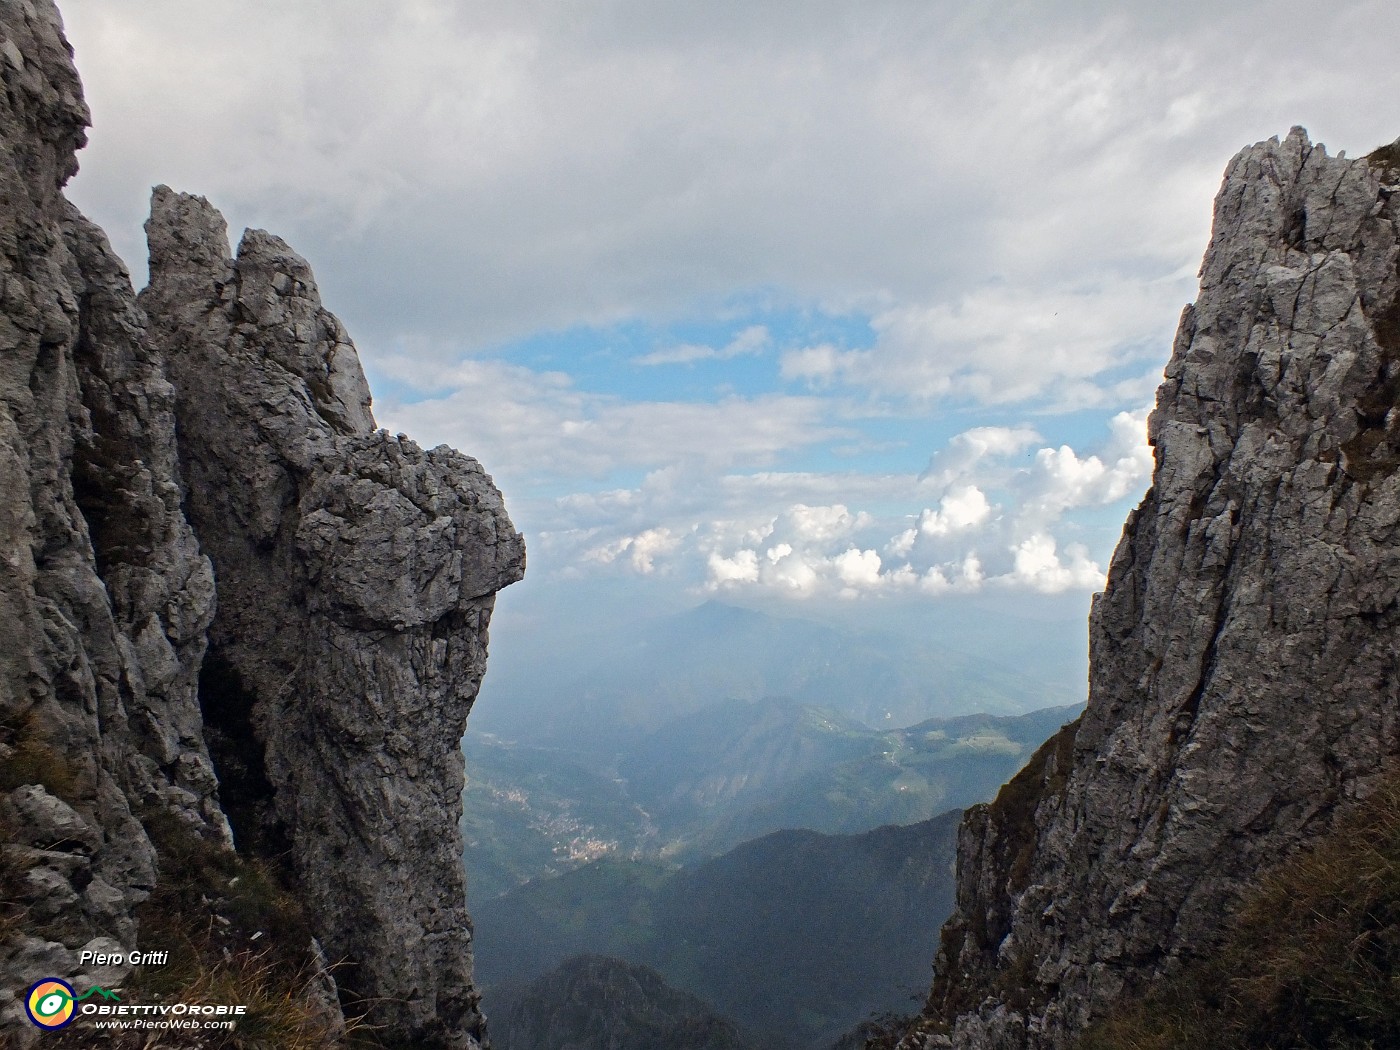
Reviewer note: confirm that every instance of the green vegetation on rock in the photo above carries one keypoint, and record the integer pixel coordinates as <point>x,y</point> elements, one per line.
<point>235,934</point>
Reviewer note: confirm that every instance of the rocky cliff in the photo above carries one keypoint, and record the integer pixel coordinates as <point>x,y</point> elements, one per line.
<point>208,447</point>
<point>1243,681</point>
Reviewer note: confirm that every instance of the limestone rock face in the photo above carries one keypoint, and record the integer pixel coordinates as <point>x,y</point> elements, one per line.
<point>1243,678</point>
<point>218,428</point>
<point>104,595</point>
<point>357,575</point>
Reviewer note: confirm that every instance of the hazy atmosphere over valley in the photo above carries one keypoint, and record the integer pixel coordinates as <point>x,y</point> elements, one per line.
<point>852,311</point>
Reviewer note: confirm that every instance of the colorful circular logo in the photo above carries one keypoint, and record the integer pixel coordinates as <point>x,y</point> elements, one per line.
<point>50,1003</point>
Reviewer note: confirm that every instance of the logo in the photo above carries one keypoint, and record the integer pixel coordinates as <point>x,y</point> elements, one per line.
<point>50,1003</point>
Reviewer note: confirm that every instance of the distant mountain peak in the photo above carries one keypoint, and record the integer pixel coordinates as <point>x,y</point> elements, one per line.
<point>595,1002</point>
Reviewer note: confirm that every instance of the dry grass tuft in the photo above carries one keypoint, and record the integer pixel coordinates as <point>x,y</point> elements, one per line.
<point>235,936</point>
<point>32,760</point>
<point>1312,960</point>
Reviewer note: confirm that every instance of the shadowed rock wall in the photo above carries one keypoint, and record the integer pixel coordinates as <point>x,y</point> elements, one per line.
<point>104,594</point>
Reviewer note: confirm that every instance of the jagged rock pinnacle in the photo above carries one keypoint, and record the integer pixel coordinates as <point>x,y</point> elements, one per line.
<point>218,434</point>
<point>357,575</point>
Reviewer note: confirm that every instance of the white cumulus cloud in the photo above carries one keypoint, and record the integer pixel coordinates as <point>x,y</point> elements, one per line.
<point>963,508</point>
<point>1039,567</point>
<point>1004,517</point>
<point>641,550</point>
<point>741,567</point>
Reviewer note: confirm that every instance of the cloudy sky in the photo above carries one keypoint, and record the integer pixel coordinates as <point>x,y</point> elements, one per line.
<point>818,303</point>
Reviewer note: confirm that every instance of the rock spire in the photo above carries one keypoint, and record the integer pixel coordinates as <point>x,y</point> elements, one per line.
<point>233,612</point>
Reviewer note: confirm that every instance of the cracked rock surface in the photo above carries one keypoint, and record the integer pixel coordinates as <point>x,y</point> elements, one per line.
<point>216,435</point>
<point>104,594</point>
<point>1243,678</point>
<point>357,574</point>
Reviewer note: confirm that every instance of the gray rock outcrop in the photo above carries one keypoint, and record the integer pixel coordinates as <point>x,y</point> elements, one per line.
<point>219,428</point>
<point>1243,680</point>
<point>357,575</point>
<point>105,596</point>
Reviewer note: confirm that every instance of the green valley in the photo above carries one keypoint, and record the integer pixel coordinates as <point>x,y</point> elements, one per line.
<point>796,935</point>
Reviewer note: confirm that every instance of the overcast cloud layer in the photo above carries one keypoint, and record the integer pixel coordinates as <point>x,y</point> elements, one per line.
<point>810,300</point>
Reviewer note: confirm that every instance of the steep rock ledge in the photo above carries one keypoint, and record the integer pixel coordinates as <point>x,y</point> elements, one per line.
<point>222,419</point>
<point>357,575</point>
<point>1243,678</point>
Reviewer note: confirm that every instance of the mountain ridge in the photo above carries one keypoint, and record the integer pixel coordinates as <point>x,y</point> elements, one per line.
<point>708,781</point>
<point>592,1002</point>
<point>796,935</point>
<point>677,664</point>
